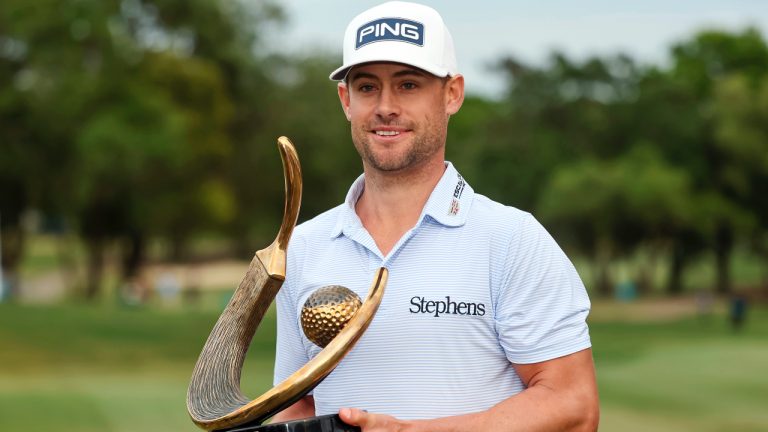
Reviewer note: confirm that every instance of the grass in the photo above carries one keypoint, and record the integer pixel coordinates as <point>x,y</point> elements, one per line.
<point>81,368</point>
<point>77,368</point>
<point>688,374</point>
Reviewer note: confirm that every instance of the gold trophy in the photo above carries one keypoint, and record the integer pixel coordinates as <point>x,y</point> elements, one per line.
<point>333,317</point>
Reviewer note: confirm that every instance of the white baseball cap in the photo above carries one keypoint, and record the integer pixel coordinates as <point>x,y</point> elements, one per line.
<point>399,32</point>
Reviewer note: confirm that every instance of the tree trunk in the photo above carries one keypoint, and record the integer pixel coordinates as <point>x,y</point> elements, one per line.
<point>675,281</point>
<point>13,241</point>
<point>134,254</point>
<point>95,247</point>
<point>647,271</point>
<point>603,262</point>
<point>723,250</point>
<point>134,288</point>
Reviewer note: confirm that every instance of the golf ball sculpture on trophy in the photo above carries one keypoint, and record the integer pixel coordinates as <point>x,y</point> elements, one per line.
<point>333,317</point>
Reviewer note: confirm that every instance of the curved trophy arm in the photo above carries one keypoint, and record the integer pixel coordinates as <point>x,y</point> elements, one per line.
<point>214,399</point>
<point>311,374</point>
<point>214,391</point>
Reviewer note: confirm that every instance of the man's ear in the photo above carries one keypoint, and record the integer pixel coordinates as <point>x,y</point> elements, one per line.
<point>344,98</point>
<point>454,90</point>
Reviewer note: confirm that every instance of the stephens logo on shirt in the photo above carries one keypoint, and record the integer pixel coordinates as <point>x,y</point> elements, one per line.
<point>420,305</point>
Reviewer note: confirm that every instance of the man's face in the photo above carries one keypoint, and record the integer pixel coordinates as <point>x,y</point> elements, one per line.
<point>399,114</point>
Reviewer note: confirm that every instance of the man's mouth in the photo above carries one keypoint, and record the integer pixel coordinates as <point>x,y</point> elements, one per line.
<point>390,131</point>
<point>386,133</point>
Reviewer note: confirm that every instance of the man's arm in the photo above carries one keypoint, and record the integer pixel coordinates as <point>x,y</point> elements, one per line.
<point>304,408</point>
<point>561,395</point>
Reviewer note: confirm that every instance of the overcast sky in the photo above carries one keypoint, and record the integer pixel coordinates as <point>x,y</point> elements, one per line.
<point>485,30</point>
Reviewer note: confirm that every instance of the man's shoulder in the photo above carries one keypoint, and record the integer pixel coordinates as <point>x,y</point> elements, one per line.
<point>500,217</point>
<point>320,225</point>
<point>312,234</point>
<point>516,229</point>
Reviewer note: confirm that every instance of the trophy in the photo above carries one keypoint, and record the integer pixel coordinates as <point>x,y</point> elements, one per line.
<point>333,317</point>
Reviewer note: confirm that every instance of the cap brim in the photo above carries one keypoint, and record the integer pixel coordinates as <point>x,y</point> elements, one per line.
<point>341,73</point>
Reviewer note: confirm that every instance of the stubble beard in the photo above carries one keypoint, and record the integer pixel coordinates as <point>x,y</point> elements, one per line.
<point>422,147</point>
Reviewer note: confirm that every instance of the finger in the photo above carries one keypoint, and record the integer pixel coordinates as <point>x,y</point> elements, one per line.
<point>354,416</point>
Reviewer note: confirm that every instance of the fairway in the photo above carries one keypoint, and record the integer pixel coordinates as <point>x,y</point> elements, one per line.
<point>78,368</point>
<point>688,375</point>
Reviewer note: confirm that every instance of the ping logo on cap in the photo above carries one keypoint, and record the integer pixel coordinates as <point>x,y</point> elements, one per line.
<point>390,29</point>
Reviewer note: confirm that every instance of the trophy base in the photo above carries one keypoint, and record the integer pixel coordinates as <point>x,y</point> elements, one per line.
<point>326,423</point>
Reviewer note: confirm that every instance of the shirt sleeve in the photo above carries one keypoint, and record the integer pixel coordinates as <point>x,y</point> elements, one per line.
<point>542,306</point>
<point>290,354</point>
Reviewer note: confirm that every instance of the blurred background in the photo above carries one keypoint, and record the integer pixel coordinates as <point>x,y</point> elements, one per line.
<point>139,173</point>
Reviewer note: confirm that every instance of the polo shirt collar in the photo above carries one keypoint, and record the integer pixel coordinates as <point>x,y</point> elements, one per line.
<point>448,204</point>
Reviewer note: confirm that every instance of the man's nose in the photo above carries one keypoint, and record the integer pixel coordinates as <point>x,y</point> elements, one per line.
<point>388,104</point>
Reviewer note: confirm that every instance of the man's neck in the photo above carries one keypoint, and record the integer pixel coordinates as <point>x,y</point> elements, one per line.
<point>391,203</point>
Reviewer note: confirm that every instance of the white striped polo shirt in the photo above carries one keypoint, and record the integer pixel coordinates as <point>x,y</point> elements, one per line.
<point>474,287</point>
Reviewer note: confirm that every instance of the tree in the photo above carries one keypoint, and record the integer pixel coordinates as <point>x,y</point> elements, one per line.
<point>698,65</point>
<point>564,119</point>
<point>141,102</point>
<point>740,111</point>
<point>608,208</point>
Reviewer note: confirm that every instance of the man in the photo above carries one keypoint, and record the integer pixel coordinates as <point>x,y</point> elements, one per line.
<point>482,326</point>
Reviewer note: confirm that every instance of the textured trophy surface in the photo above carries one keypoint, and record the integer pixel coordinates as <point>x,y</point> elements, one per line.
<point>214,399</point>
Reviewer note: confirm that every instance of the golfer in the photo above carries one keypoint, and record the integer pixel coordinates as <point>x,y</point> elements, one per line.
<point>482,327</point>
